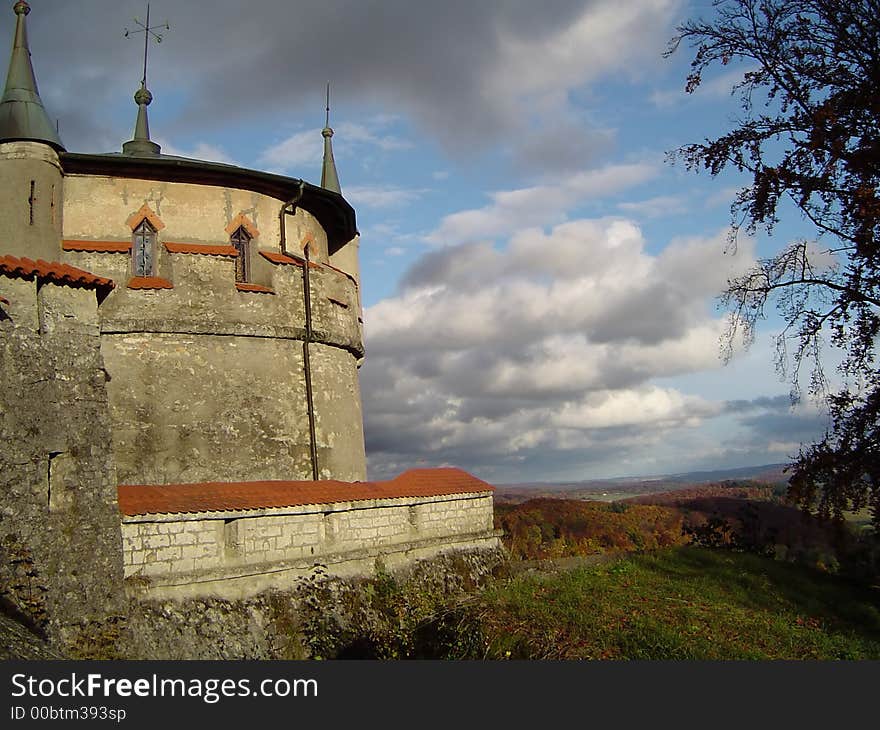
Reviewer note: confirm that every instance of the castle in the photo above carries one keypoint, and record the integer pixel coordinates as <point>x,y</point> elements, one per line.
<point>180,412</point>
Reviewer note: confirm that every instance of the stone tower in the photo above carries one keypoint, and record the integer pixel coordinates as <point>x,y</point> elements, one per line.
<point>31,188</point>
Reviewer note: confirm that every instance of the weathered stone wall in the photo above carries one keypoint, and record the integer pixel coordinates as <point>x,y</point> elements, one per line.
<point>31,194</point>
<point>194,554</point>
<point>314,617</point>
<point>190,408</point>
<point>206,381</point>
<point>97,208</point>
<point>61,557</point>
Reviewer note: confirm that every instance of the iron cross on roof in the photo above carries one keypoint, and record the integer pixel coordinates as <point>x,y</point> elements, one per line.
<point>148,31</point>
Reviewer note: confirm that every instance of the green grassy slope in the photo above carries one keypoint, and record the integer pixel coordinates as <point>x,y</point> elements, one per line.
<point>680,603</point>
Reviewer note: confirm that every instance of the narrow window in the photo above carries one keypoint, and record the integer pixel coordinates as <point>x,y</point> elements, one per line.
<point>241,241</point>
<point>31,200</point>
<point>52,205</point>
<point>143,249</point>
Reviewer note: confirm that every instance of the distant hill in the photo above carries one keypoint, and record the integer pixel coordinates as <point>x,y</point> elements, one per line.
<point>609,490</point>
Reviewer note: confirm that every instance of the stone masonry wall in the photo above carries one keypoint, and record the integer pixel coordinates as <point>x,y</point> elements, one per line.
<point>60,544</point>
<point>186,549</point>
<point>98,208</point>
<point>207,381</point>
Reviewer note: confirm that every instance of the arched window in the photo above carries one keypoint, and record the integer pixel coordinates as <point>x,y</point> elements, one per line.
<point>143,249</point>
<point>241,240</point>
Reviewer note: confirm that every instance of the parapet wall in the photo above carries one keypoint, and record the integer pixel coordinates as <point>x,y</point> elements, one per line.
<point>236,554</point>
<point>60,544</point>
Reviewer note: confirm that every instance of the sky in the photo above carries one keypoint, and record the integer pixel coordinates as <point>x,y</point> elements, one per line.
<point>539,281</point>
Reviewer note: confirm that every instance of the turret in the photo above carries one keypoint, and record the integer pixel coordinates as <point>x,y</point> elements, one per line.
<point>346,258</point>
<point>31,182</point>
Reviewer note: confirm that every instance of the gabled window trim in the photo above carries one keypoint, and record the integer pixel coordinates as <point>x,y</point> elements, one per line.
<point>143,239</point>
<point>240,240</point>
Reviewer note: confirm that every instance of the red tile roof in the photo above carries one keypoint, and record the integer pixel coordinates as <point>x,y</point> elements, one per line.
<point>280,258</point>
<point>241,286</point>
<point>52,271</point>
<point>201,248</point>
<point>231,496</point>
<point>100,246</point>
<point>149,282</point>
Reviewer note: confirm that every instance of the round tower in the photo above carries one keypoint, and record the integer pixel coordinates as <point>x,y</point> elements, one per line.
<point>31,181</point>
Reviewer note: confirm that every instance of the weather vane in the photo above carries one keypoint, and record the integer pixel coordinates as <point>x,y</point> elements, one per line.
<point>148,31</point>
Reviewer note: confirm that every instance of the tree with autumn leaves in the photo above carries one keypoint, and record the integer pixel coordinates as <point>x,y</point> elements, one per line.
<point>808,133</point>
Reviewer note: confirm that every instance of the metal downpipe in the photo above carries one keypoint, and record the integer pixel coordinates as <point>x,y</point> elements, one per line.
<point>289,208</point>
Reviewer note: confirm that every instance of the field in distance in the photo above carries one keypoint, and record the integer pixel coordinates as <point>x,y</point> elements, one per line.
<point>610,490</point>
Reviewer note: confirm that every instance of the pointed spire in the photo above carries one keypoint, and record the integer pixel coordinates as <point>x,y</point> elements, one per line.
<point>141,144</point>
<point>22,114</point>
<point>329,178</point>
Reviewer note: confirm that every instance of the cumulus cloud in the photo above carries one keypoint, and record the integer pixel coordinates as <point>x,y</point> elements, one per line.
<point>200,151</point>
<point>299,150</point>
<point>468,74</point>
<point>711,89</point>
<point>656,207</point>
<point>553,342</point>
<point>537,206</point>
<point>381,196</point>
<point>305,148</point>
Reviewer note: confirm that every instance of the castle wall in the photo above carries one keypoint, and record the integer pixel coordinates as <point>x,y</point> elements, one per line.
<point>236,554</point>
<point>31,194</point>
<point>206,380</point>
<point>60,544</point>
<point>190,408</point>
<point>97,208</point>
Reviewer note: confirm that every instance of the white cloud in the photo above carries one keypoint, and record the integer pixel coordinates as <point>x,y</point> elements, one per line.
<point>381,196</point>
<point>300,150</point>
<point>606,36</point>
<point>305,148</point>
<point>362,134</point>
<point>549,344</point>
<point>201,151</point>
<point>713,89</point>
<point>656,207</point>
<point>513,210</point>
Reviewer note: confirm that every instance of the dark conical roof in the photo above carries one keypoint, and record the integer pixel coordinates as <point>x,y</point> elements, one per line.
<point>22,114</point>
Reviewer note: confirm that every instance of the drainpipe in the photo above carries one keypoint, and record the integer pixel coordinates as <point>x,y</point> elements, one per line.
<point>289,208</point>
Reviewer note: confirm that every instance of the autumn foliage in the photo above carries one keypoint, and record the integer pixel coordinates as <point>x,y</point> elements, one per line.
<point>555,528</point>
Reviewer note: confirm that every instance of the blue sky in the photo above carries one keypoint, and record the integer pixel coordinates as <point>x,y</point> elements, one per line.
<point>538,279</point>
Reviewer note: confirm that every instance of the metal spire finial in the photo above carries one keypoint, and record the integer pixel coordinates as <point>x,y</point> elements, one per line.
<point>327,120</point>
<point>141,144</point>
<point>329,178</point>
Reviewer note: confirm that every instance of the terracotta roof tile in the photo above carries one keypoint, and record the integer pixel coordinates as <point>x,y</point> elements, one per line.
<point>232,496</point>
<point>241,286</point>
<point>99,246</point>
<point>280,258</point>
<point>52,271</point>
<point>149,282</point>
<point>201,248</point>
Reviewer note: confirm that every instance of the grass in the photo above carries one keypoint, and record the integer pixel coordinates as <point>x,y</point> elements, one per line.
<point>680,603</point>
